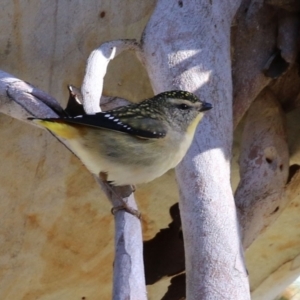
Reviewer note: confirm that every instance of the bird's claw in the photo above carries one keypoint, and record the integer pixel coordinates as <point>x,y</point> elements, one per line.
<point>128,209</point>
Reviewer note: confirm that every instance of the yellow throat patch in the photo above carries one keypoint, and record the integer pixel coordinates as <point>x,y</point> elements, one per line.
<point>192,128</point>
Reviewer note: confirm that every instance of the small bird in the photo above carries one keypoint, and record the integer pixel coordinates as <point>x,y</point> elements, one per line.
<point>135,143</point>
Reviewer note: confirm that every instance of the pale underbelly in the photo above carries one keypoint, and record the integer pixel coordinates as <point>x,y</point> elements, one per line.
<point>120,173</point>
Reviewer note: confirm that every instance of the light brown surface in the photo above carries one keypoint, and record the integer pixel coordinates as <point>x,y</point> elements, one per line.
<point>56,230</point>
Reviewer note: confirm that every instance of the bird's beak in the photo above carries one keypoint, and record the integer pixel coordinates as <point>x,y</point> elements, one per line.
<point>205,106</point>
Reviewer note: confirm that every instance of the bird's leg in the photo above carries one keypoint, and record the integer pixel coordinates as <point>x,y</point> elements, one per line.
<point>103,176</point>
<point>127,208</point>
<point>120,191</point>
<point>133,188</point>
<point>124,205</point>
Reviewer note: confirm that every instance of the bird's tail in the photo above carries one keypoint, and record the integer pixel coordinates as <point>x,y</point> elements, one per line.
<point>59,127</point>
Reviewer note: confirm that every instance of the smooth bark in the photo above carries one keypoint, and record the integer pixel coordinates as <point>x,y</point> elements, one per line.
<point>180,52</point>
<point>21,100</point>
<point>129,279</point>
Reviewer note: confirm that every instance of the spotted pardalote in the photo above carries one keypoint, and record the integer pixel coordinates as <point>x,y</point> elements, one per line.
<point>136,143</point>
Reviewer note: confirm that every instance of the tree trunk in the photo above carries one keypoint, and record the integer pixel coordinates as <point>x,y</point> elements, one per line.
<point>181,53</point>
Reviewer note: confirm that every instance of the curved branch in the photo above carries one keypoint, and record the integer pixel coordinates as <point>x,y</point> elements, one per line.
<point>21,100</point>
<point>96,67</point>
<point>129,279</point>
<point>264,167</point>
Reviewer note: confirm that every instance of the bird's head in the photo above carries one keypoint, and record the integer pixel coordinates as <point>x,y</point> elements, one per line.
<point>181,109</point>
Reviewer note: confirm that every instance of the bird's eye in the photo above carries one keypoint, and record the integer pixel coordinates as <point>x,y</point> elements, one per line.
<point>183,106</point>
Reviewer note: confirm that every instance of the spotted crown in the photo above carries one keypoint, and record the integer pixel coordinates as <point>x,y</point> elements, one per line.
<point>178,95</point>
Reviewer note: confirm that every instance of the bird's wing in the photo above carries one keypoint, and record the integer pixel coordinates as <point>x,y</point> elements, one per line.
<point>140,126</point>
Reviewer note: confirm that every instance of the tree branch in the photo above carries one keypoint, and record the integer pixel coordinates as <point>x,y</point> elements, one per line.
<point>21,100</point>
<point>264,167</point>
<point>129,279</point>
<point>95,71</point>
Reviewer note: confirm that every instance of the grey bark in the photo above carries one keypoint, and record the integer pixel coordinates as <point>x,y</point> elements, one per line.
<point>182,53</point>
<point>21,100</point>
<point>129,278</point>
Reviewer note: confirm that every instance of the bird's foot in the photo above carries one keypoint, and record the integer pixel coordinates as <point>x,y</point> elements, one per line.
<point>128,209</point>
<point>121,192</point>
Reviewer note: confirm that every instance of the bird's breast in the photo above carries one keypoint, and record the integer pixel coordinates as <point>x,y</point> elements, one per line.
<point>130,160</point>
